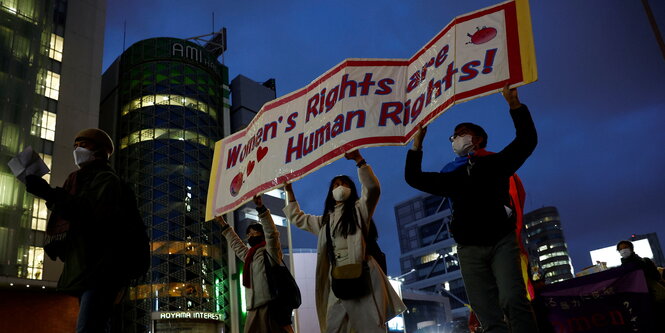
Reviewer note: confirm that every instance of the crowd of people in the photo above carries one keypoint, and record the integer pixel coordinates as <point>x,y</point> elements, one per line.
<point>353,293</point>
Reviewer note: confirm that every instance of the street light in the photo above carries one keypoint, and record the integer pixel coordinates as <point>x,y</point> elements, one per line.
<point>401,277</point>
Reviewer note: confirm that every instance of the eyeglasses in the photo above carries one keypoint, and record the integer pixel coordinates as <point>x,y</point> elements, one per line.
<point>462,132</point>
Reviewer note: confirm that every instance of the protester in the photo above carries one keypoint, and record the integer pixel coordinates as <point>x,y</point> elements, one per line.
<point>84,230</point>
<point>345,222</point>
<point>654,279</point>
<point>628,256</point>
<point>483,224</point>
<point>263,238</point>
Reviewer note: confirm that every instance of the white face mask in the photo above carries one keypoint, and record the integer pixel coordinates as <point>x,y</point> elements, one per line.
<point>83,155</point>
<point>341,193</point>
<point>462,145</point>
<point>625,253</point>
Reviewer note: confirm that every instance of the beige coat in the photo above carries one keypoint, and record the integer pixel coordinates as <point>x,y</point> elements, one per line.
<point>258,294</point>
<point>384,303</point>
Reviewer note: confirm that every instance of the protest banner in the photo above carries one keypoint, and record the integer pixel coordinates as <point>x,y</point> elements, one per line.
<point>616,300</point>
<point>372,102</point>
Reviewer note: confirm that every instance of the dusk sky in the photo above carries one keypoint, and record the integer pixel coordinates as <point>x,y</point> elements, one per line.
<point>598,104</point>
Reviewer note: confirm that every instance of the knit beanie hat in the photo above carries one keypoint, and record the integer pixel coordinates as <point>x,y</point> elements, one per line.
<point>97,136</point>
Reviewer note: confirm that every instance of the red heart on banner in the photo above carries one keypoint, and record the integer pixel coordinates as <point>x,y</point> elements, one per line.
<point>261,153</point>
<point>250,167</point>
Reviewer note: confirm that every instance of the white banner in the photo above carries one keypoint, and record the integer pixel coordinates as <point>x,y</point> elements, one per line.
<point>372,102</point>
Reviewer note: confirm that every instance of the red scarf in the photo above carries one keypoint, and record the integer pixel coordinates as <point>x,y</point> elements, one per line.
<point>246,269</point>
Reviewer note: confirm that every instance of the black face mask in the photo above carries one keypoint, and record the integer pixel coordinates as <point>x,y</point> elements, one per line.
<point>255,240</point>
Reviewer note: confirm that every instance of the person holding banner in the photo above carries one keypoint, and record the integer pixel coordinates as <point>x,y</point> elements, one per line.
<point>262,237</point>
<point>484,216</point>
<point>352,292</point>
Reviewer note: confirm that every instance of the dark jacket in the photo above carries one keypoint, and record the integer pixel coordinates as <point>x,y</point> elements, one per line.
<point>649,268</point>
<point>480,189</point>
<point>95,234</point>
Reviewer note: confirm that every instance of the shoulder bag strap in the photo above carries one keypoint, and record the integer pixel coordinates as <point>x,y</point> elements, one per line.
<point>329,247</point>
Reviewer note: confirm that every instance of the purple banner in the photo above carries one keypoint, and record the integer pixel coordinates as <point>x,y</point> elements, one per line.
<point>615,300</point>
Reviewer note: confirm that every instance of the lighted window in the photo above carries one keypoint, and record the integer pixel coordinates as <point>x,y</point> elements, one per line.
<point>24,9</point>
<point>35,262</point>
<point>429,257</point>
<point>173,289</point>
<point>52,85</point>
<point>165,134</point>
<point>43,125</point>
<point>48,161</point>
<point>48,84</point>
<point>8,193</point>
<point>184,247</point>
<point>551,255</point>
<point>166,99</point>
<point>55,47</point>
<point>9,140</point>
<point>39,214</point>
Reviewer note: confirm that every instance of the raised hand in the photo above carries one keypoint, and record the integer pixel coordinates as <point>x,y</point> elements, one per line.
<point>419,137</point>
<point>511,97</point>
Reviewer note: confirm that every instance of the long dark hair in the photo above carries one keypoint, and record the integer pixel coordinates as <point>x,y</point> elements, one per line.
<point>348,224</point>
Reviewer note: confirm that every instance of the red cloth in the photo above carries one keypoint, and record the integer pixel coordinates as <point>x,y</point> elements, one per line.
<point>247,268</point>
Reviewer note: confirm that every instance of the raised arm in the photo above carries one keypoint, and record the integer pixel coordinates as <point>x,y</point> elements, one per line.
<point>238,246</point>
<point>429,182</point>
<point>526,138</point>
<point>311,223</point>
<point>270,231</point>
<point>371,188</point>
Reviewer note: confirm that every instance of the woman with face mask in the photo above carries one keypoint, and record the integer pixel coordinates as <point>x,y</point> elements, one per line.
<point>263,240</point>
<point>341,236</point>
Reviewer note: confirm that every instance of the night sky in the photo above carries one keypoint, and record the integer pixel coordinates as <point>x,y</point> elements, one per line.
<point>598,104</point>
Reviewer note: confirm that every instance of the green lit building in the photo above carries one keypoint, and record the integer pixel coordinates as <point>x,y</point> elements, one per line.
<point>165,101</point>
<point>50,65</point>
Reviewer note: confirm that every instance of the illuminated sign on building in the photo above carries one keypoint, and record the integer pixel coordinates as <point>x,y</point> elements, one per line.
<point>187,315</point>
<point>192,53</point>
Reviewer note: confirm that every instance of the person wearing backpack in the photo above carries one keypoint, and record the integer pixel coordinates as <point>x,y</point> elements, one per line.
<point>84,230</point>
<point>353,293</point>
<point>263,240</point>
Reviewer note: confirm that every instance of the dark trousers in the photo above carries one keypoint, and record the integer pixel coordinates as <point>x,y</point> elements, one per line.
<point>495,286</point>
<point>95,309</point>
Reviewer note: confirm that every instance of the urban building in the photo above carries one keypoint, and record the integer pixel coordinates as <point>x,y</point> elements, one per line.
<point>428,259</point>
<point>50,60</point>
<point>544,241</point>
<point>654,245</point>
<point>427,312</point>
<point>165,101</point>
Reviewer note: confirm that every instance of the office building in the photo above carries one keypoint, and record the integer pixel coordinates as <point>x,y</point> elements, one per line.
<point>544,241</point>
<point>165,101</point>
<point>50,60</point>
<point>428,259</point>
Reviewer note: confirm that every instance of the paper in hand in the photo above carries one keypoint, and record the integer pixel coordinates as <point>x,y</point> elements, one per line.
<point>26,163</point>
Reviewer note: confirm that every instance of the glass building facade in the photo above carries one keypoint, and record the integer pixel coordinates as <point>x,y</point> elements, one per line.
<point>428,259</point>
<point>31,47</point>
<point>547,248</point>
<point>164,101</point>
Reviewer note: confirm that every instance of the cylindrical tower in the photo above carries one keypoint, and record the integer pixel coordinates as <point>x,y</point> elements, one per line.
<point>170,98</point>
<point>546,245</point>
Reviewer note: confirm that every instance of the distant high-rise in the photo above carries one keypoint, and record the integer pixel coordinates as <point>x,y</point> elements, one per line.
<point>166,101</point>
<point>50,60</point>
<point>547,248</point>
<point>428,257</point>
